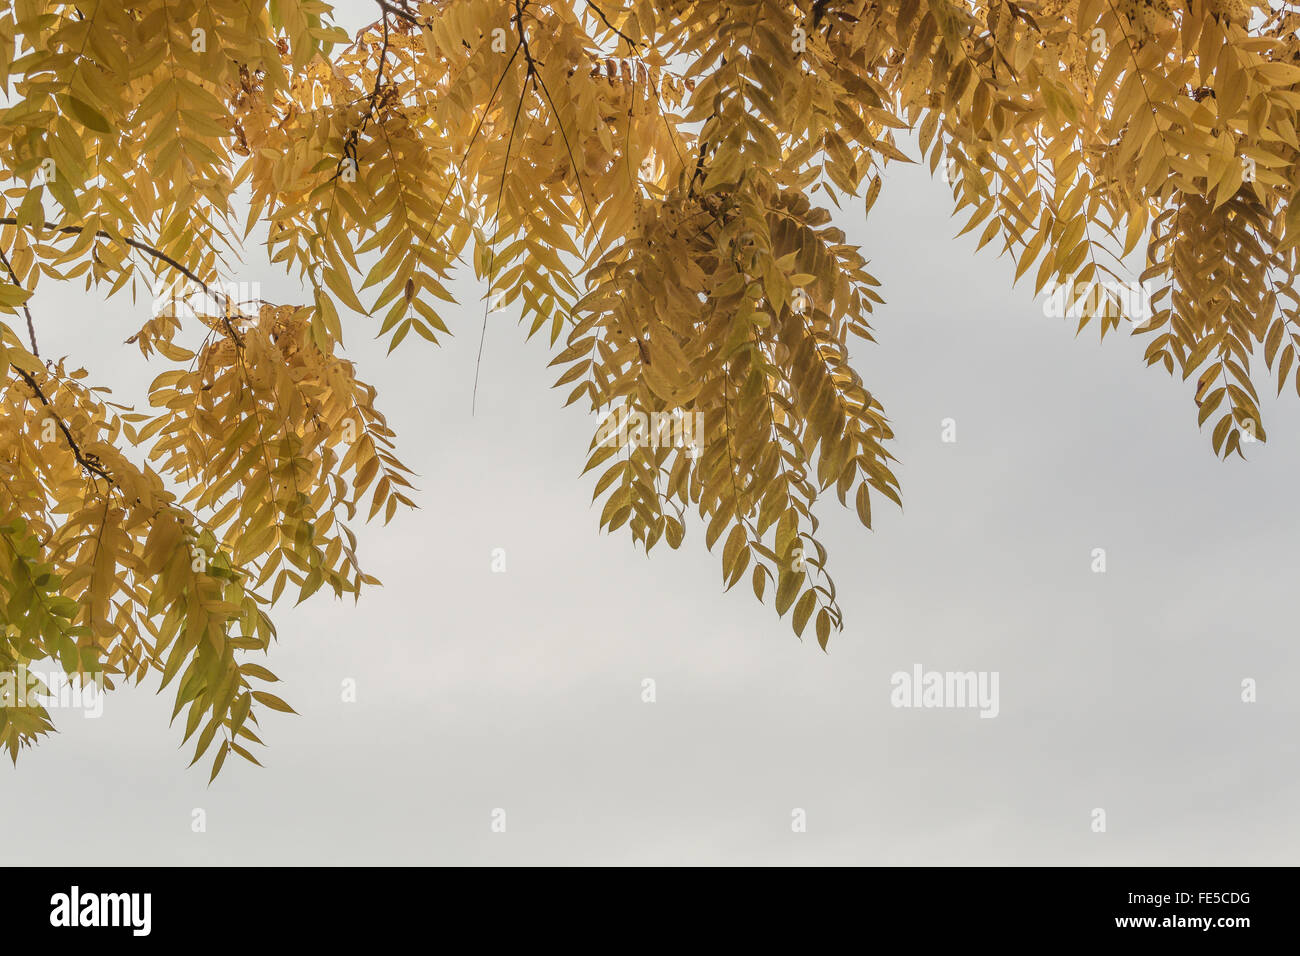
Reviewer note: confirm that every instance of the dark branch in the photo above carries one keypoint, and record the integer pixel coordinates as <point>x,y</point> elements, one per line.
<point>523,37</point>
<point>354,134</point>
<point>31,326</point>
<point>379,77</point>
<point>397,11</point>
<point>604,19</point>
<point>88,462</point>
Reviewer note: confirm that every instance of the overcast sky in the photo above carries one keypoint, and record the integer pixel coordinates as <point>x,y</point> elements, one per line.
<point>523,691</point>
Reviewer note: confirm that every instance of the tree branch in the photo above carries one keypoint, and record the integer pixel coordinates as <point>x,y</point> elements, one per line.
<point>88,462</point>
<point>523,37</point>
<point>604,19</point>
<point>379,76</point>
<point>31,327</point>
<point>397,11</point>
<point>150,250</point>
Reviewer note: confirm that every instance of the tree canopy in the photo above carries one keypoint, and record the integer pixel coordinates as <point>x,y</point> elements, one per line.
<point>650,186</point>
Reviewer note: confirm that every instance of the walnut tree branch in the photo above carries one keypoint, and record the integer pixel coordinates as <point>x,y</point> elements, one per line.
<point>88,462</point>
<point>604,19</point>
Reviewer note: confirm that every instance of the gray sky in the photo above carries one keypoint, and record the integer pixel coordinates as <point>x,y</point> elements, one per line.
<point>522,690</point>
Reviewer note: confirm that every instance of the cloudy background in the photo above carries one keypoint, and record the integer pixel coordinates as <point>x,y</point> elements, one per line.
<point>522,691</point>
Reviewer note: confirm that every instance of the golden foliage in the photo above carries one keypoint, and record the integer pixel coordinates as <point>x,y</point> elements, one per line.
<point>650,184</point>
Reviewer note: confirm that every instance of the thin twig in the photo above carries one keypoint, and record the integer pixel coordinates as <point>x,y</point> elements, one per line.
<point>397,11</point>
<point>505,165</point>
